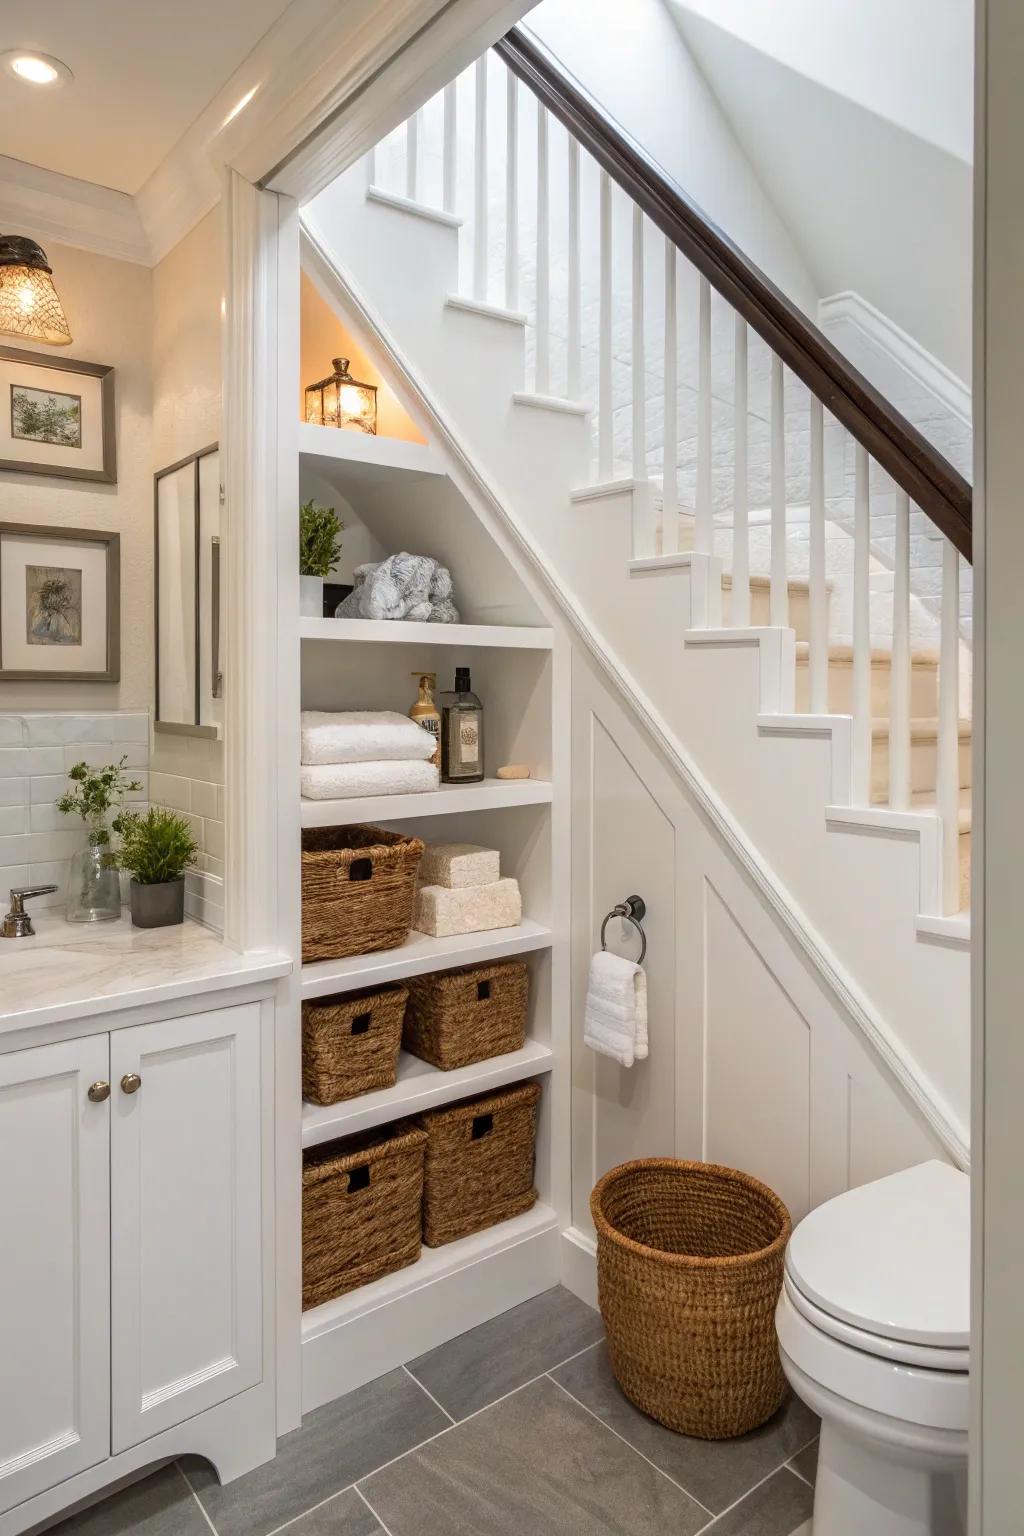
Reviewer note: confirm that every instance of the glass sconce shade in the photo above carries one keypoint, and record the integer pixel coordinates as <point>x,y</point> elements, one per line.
<point>29,304</point>
<point>341,401</point>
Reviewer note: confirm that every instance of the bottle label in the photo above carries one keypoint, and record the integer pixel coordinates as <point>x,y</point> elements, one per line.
<point>469,741</point>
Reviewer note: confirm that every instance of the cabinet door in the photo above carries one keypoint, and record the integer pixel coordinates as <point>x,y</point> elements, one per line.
<point>185,1218</point>
<point>54,1266</point>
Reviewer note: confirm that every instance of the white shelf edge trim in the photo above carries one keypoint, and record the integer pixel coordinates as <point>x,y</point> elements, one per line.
<point>420,954</point>
<point>367,448</point>
<point>449,800</point>
<point>515,637</point>
<point>421,1086</point>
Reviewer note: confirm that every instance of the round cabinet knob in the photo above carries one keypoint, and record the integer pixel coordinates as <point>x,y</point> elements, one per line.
<point>131,1082</point>
<point>98,1092</point>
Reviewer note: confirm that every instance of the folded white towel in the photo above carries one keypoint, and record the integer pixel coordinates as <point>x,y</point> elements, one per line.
<point>364,736</point>
<point>615,1014</point>
<point>345,781</point>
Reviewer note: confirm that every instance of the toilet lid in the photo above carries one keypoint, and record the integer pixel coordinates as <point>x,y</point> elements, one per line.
<point>893,1257</point>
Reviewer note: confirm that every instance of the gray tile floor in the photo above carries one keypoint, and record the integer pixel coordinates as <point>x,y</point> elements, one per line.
<point>514,1429</point>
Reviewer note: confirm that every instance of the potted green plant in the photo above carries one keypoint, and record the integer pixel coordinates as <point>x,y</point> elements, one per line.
<point>156,849</point>
<point>319,528</point>
<point>94,888</point>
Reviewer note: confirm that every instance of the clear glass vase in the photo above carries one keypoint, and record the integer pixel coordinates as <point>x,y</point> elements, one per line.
<point>94,885</point>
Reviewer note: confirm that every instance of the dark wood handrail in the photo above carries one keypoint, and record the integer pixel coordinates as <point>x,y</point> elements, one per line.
<point>917,467</point>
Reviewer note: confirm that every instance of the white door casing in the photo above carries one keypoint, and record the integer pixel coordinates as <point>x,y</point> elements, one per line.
<point>55,1270</point>
<point>185,1218</point>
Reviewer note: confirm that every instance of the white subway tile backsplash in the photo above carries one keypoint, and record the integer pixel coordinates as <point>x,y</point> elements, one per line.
<point>132,728</point>
<point>14,762</point>
<point>171,790</point>
<point>13,820</point>
<point>14,791</point>
<point>12,731</point>
<point>214,840</point>
<point>56,730</point>
<point>45,760</point>
<point>47,787</point>
<point>205,798</point>
<point>10,876</point>
<point>15,850</point>
<point>46,818</point>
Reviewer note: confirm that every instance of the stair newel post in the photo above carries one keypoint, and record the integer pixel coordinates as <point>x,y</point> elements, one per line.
<point>900,674</point>
<point>948,746</point>
<point>575,329</point>
<point>740,609</point>
<point>779,595</point>
<point>704,538</point>
<point>480,182</point>
<point>639,370</point>
<point>511,190</point>
<point>543,339</point>
<point>818,595</point>
<point>412,155</point>
<point>861,741</point>
<point>449,161</point>
<point>670,451</point>
<point>605,459</point>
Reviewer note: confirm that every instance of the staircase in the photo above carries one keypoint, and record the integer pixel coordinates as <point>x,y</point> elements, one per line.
<point>718,538</point>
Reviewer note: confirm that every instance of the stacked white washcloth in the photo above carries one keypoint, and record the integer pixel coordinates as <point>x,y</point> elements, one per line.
<point>463,892</point>
<point>615,1014</point>
<point>365,752</point>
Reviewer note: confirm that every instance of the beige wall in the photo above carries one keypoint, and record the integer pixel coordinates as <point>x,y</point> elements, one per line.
<point>109,309</point>
<point>323,337</point>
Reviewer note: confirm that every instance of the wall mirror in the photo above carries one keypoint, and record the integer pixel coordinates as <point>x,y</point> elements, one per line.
<point>187,591</point>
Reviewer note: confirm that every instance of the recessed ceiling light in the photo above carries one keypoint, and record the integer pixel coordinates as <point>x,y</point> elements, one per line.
<point>35,68</point>
<point>240,106</point>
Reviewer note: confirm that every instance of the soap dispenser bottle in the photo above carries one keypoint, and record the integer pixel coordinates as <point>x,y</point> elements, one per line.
<point>425,711</point>
<point>462,733</point>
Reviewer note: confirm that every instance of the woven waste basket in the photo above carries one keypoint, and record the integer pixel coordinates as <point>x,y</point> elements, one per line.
<point>689,1270</point>
<point>358,886</point>
<point>350,1044</point>
<point>479,1163</point>
<point>457,1017</point>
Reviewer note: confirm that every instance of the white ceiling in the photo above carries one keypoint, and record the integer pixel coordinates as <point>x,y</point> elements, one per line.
<point>143,70</point>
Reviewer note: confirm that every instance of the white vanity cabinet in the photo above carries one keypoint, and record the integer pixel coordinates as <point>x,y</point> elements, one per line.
<point>131,1201</point>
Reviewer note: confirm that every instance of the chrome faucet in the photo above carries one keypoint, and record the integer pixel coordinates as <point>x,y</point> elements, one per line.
<point>17,924</point>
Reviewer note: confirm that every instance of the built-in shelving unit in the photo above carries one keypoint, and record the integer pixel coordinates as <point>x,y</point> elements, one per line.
<point>518,637</point>
<point>330,446</point>
<point>419,954</point>
<point>448,800</point>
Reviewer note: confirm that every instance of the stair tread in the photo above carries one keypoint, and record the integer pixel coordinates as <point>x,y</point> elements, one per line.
<point>761,583</point>
<point>843,654</point>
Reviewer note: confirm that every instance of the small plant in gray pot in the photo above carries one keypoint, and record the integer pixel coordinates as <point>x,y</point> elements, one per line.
<point>156,850</point>
<point>319,528</point>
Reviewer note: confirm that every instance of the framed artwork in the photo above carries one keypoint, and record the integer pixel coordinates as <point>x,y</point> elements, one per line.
<point>56,416</point>
<point>60,605</point>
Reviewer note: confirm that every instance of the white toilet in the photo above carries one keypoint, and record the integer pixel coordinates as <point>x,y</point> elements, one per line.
<point>874,1328</point>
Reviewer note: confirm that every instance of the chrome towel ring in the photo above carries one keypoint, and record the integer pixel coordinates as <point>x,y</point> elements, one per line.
<point>632,910</point>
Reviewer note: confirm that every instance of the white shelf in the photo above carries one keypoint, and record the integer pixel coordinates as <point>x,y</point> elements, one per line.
<point>419,954</point>
<point>421,1086</point>
<point>433,1264</point>
<point>490,795</point>
<point>348,446</point>
<point>518,637</point>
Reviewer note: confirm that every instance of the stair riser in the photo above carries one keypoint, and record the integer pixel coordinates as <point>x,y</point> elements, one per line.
<point>923,689</point>
<point>761,608</point>
<point>923,756</point>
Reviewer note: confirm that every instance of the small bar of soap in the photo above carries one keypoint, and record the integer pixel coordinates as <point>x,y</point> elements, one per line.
<point>442,912</point>
<point>514,771</point>
<point>458,865</point>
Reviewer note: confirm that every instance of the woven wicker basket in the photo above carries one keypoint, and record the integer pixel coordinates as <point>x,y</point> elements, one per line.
<point>479,1165</point>
<point>689,1269</point>
<point>361,1201</point>
<point>350,1044</point>
<point>456,1017</point>
<point>358,885</point>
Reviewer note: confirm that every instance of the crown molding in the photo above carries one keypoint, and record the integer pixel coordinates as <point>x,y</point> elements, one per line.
<point>909,354</point>
<point>49,206</point>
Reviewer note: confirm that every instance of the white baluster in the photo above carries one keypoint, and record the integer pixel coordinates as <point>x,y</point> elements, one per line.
<point>511,190</point>
<point>948,766</point>
<point>740,606</point>
<point>818,595</point>
<point>605,456</point>
<point>900,664</point>
<point>779,596</point>
<point>449,155</point>
<point>670,451</point>
<point>639,378</point>
<point>575,340</point>
<point>480,183</point>
<point>704,537</point>
<point>412,156</point>
<point>543,369</point>
<point>371,167</point>
<point>861,744</point>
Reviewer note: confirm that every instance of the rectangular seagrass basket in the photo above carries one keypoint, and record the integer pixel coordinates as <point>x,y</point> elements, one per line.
<point>350,1044</point>
<point>479,1163</point>
<point>361,1201</point>
<point>358,885</point>
<point>456,1017</point>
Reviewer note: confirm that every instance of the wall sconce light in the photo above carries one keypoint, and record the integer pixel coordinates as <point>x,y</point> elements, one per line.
<point>341,401</point>
<point>29,304</point>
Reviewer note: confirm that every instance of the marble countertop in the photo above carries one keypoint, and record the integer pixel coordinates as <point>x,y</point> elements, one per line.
<point>68,971</point>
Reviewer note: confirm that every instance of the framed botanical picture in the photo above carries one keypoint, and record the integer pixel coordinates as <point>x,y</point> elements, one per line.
<point>56,416</point>
<point>60,605</point>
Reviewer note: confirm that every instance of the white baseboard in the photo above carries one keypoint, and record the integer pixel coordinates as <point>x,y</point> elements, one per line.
<point>914,359</point>
<point>579,1265</point>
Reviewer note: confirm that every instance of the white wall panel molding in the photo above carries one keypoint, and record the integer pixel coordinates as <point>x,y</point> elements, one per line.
<point>48,206</point>
<point>922,365</point>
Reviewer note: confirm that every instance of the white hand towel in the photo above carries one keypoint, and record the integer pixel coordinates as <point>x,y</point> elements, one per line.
<point>346,781</point>
<point>615,1015</point>
<point>363,736</point>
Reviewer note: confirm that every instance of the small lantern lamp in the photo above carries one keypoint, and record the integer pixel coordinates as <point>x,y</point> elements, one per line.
<point>29,304</point>
<point>341,401</point>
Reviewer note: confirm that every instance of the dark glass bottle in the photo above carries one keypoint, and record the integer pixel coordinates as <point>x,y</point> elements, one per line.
<point>462,733</point>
